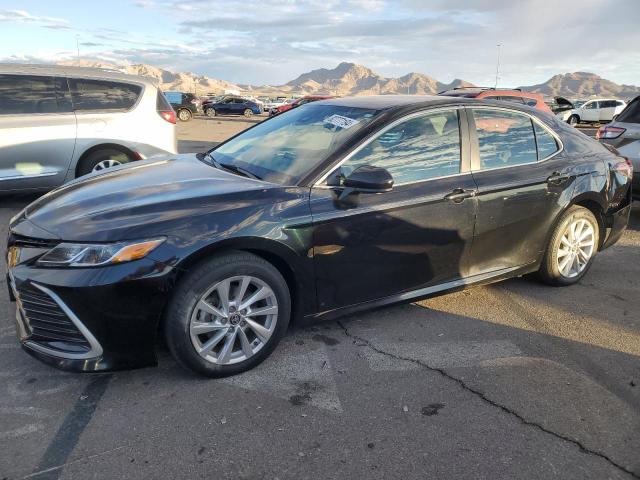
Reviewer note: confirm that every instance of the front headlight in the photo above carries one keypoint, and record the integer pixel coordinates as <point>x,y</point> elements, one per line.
<point>92,255</point>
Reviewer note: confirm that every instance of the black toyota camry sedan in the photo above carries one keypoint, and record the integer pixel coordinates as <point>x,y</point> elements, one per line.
<point>331,208</point>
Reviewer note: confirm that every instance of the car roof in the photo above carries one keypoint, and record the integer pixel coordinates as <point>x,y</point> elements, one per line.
<point>387,102</point>
<point>70,71</point>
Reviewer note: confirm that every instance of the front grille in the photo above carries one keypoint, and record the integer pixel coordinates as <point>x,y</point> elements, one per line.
<point>48,324</point>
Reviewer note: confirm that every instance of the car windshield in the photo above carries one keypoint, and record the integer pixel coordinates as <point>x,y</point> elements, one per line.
<point>288,146</point>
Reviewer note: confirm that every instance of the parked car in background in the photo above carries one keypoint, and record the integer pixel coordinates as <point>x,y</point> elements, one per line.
<point>275,103</point>
<point>58,123</point>
<point>334,208</point>
<point>516,96</point>
<point>184,104</point>
<point>297,103</point>
<point>595,111</point>
<point>232,106</point>
<point>623,133</point>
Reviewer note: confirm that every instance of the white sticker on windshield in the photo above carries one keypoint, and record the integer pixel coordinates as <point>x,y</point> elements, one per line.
<point>340,121</point>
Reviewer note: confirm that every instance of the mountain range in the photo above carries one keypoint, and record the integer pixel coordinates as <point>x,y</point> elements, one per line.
<point>354,79</point>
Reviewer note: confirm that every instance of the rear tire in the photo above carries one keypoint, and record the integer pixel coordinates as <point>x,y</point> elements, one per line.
<point>184,115</point>
<point>572,248</point>
<point>102,159</point>
<point>192,325</point>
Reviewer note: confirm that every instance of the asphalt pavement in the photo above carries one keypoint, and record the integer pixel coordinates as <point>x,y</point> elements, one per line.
<point>512,380</point>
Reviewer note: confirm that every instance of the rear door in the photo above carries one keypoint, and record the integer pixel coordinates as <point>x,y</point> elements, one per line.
<point>370,246</point>
<point>521,176</point>
<point>37,131</point>
<point>607,110</point>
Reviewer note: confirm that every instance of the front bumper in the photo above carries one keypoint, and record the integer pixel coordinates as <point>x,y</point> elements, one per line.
<point>91,319</point>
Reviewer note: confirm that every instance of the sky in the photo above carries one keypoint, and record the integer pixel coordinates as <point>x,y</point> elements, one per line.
<point>273,41</point>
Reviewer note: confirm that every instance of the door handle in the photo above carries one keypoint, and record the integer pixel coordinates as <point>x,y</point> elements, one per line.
<point>557,177</point>
<point>459,194</point>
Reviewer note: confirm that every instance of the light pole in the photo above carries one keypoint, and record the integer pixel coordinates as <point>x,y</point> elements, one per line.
<point>78,45</point>
<point>497,65</point>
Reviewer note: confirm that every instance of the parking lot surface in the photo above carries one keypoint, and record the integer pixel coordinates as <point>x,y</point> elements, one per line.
<point>512,380</point>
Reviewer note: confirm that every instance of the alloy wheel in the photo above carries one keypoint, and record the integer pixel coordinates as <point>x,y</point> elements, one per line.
<point>248,113</point>
<point>108,163</point>
<point>577,246</point>
<point>233,320</point>
<point>184,115</point>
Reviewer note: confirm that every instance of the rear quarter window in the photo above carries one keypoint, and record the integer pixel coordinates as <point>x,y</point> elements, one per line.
<point>88,94</point>
<point>631,114</point>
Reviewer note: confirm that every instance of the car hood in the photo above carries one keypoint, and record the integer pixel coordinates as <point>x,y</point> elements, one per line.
<point>149,196</point>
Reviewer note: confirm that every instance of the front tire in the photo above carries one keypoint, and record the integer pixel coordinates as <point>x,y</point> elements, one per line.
<point>573,120</point>
<point>227,315</point>
<point>248,112</point>
<point>572,248</point>
<point>210,112</point>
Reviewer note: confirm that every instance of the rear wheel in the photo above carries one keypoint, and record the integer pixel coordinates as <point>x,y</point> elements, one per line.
<point>184,115</point>
<point>572,248</point>
<point>227,315</point>
<point>248,112</point>
<point>573,120</point>
<point>102,159</point>
<point>210,112</point>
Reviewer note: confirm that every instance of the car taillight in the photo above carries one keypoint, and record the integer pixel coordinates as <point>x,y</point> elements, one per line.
<point>624,168</point>
<point>609,132</point>
<point>168,115</point>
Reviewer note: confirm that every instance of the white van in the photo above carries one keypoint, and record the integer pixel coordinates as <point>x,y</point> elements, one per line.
<point>58,123</point>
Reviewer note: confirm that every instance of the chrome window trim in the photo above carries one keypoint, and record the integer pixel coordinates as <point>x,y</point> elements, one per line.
<point>383,130</point>
<point>96,348</point>
<point>531,117</point>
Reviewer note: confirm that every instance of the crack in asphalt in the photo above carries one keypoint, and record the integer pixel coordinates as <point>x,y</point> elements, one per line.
<point>486,399</point>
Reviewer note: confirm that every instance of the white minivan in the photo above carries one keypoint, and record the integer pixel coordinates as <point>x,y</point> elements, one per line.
<point>595,111</point>
<point>58,123</point>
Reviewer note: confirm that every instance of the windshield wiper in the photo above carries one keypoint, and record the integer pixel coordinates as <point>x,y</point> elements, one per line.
<point>227,166</point>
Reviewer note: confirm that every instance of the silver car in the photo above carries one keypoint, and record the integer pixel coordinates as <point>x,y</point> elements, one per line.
<point>58,123</point>
<point>624,134</point>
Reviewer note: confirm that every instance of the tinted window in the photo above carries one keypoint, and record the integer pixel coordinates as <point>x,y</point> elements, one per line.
<point>608,104</point>
<point>547,144</point>
<point>504,138</point>
<point>631,114</point>
<point>417,149</point>
<point>512,99</point>
<point>174,97</point>
<point>103,95</point>
<point>238,100</point>
<point>25,94</point>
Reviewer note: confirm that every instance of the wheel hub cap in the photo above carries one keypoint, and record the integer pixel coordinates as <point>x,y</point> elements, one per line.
<point>233,320</point>
<point>577,246</point>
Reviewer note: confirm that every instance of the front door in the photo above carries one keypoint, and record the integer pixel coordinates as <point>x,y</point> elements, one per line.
<point>37,131</point>
<point>590,111</point>
<point>369,246</point>
<point>521,177</point>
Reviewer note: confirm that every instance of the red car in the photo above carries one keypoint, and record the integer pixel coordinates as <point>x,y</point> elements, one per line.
<point>506,95</point>
<point>297,103</point>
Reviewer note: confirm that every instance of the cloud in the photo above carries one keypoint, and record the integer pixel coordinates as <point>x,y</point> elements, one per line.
<point>273,41</point>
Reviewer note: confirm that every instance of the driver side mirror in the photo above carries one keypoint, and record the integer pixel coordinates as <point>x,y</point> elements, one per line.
<point>367,179</point>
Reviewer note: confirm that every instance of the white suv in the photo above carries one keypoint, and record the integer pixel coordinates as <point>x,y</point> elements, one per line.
<point>57,123</point>
<point>594,111</point>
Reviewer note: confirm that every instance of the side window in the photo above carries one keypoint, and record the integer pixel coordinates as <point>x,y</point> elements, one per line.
<point>504,138</point>
<point>174,97</point>
<point>513,99</point>
<point>103,95</point>
<point>631,114</point>
<point>546,142</point>
<point>608,104</point>
<point>417,149</point>
<point>238,100</point>
<point>591,106</point>
<point>30,94</point>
